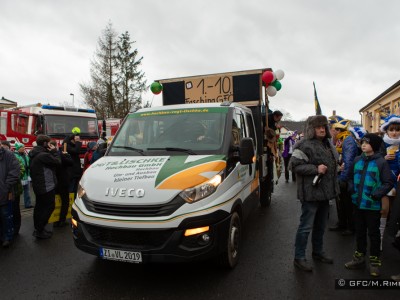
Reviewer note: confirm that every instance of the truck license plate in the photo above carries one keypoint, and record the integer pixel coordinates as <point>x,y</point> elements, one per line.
<point>120,255</point>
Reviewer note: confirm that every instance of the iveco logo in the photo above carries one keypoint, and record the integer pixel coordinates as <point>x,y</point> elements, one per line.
<point>124,192</point>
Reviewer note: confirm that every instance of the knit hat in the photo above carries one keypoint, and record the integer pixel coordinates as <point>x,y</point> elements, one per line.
<point>18,146</point>
<point>100,141</point>
<point>374,140</point>
<point>358,132</point>
<point>392,119</point>
<point>90,145</point>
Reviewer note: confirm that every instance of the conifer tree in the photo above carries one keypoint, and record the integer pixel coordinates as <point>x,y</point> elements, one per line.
<point>117,83</point>
<point>130,80</point>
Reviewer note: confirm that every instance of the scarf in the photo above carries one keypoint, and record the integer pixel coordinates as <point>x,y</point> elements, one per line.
<point>391,141</point>
<point>340,139</point>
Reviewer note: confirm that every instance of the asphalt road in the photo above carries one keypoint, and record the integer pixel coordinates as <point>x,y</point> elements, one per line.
<point>55,269</point>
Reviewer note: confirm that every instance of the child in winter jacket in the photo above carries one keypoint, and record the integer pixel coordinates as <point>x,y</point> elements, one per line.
<point>370,180</point>
<point>91,147</point>
<point>391,139</point>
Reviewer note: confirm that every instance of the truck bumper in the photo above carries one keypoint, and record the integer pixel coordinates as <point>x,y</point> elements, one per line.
<point>158,245</point>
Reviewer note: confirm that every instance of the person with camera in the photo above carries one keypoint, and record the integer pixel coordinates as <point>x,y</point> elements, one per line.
<point>72,145</point>
<point>44,161</point>
<point>315,162</point>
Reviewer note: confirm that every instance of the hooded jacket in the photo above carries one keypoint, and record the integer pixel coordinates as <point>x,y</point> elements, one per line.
<point>43,169</point>
<point>308,154</point>
<point>370,180</point>
<point>24,160</point>
<point>74,150</point>
<point>9,173</point>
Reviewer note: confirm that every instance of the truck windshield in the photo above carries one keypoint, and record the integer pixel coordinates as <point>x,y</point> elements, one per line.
<point>62,125</point>
<point>194,131</point>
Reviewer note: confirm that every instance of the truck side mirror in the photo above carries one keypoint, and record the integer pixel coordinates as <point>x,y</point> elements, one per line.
<point>246,151</point>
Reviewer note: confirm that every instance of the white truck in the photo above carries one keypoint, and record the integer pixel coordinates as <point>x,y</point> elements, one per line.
<point>178,181</point>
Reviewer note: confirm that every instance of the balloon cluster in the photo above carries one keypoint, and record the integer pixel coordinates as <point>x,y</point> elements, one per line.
<point>271,80</point>
<point>156,88</point>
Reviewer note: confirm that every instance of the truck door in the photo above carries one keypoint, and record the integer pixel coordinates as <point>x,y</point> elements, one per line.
<point>3,125</point>
<point>240,129</point>
<point>19,128</point>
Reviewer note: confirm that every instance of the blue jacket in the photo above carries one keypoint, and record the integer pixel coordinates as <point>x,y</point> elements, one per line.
<point>349,152</point>
<point>370,180</point>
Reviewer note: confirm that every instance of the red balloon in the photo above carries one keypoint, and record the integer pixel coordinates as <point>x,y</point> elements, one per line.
<point>267,77</point>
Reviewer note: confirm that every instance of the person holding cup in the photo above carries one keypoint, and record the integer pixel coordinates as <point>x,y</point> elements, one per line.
<point>391,138</point>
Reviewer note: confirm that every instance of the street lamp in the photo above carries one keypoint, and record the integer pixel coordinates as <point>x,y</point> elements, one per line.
<point>72,99</point>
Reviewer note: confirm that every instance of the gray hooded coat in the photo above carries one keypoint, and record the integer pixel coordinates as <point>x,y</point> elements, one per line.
<point>307,155</point>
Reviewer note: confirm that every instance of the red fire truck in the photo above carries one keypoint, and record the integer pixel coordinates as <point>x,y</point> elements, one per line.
<point>23,124</point>
<point>109,127</point>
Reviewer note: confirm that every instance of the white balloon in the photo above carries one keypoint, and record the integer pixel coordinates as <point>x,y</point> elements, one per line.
<point>271,91</point>
<point>279,74</point>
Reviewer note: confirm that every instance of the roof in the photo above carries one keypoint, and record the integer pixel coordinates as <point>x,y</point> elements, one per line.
<point>5,103</point>
<point>394,86</point>
<point>294,125</point>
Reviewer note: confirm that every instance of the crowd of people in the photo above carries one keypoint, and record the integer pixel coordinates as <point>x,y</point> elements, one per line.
<point>335,162</point>
<point>49,169</point>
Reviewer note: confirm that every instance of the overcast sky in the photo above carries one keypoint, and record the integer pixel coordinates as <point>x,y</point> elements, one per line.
<point>351,49</point>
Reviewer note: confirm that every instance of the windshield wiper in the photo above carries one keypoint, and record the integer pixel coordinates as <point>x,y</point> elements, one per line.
<point>189,151</point>
<point>130,148</point>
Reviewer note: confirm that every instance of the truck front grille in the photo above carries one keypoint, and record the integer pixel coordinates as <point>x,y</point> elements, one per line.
<point>134,239</point>
<point>134,210</point>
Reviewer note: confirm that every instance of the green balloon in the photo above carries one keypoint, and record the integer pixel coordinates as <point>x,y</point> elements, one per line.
<point>156,87</point>
<point>277,84</point>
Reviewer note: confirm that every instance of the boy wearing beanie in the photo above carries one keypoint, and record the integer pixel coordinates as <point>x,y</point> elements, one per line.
<point>370,180</point>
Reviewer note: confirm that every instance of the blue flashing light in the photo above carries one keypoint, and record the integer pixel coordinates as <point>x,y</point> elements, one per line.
<point>52,107</point>
<point>88,110</point>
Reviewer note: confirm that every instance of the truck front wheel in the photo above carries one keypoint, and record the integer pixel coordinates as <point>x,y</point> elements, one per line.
<point>230,256</point>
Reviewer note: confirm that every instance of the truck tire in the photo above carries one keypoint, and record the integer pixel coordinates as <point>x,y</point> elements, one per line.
<point>230,256</point>
<point>265,193</point>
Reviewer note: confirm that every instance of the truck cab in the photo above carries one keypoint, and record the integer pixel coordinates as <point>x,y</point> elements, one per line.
<point>176,184</point>
<point>182,178</point>
<point>23,124</point>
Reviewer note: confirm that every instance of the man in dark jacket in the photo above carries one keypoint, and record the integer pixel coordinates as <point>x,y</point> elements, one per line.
<point>62,187</point>
<point>274,118</point>
<point>44,161</point>
<point>349,150</point>
<point>315,162</point>
<point>9,176</point>
<point>73,148</point>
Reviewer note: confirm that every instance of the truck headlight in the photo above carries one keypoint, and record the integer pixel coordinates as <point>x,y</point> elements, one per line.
<point>201,191</point>
<point>81,191</point>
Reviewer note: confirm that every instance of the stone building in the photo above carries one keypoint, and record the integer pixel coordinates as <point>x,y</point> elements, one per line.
<point>387,103</point>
